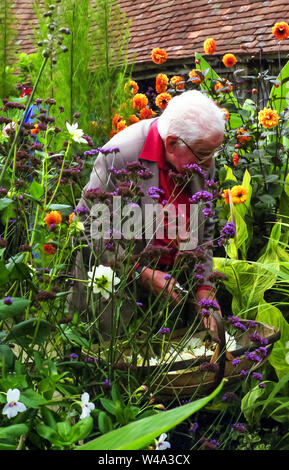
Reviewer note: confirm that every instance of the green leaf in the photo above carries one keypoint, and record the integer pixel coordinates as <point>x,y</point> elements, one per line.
<point>18,305</point>
<point>7,356</point>
<point>32,399</point>
<point>82,429</point>
<point>14,431</point>
<point>63,208</point>
<point>104,423</point>
<point>36,190</point>
<point>140,433</point>
<point>29,331</point>
<point>5,202</point>
<point>108,405</point>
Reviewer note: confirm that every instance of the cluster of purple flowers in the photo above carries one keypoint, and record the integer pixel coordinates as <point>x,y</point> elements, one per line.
<point>236,323</point>
<point>239,427</point>
<point>194,168</point>
<point>256,338</point>
<point>155,193</point>
<point>201,196</point>
<point>228,231</point>
<point>208,303</point>
<point>164,331</point>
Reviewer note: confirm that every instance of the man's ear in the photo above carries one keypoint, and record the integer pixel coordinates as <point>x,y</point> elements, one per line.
<point>170,144</point>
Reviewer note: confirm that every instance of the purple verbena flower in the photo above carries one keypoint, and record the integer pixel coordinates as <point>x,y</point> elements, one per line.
<point>257,376</point>
<point>228,231</point>
<point>239,427</point>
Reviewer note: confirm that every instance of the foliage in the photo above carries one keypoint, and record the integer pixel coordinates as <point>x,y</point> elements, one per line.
<point>8,33</point>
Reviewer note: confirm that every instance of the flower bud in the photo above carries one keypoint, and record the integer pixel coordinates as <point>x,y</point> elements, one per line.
<point>254,91</point>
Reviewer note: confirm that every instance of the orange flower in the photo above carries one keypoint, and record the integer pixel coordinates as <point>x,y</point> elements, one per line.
<point>159,56</point>
<point>49,249</point>
<point>229,60</point>
<point>219,87</point>
<point>178,82</point>
<point>71,217</point>
<point>131,86</point>
<point>209,46</point>
<point>146,113</point>
<point>226,113</point>
<point>235,158</point>
<point>133,119</point>
<point>226,196</point>
<point>162,100</point>
<point>121,125</point>
<point>239,194</point>
<point>35,130</point>
<point>161,83</point>
<point>243,136</point>
<point>281,30</point>
<point>53,218</point>
<point>116,118</point>
<point>197,76</point>
<point>139,101</point>
<point>268,118</point>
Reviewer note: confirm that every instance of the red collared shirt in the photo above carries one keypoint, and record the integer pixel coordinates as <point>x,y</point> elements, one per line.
<point>154,151</point>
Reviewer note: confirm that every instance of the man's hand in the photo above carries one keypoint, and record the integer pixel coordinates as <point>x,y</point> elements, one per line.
<point>208,294</point>
<point>160,283</point>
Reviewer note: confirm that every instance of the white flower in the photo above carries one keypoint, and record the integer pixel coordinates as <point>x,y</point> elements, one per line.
<point>162,444</point>
<point>75,133</point>
<point>13,406</point>
<point>86,405</point>
<point>103,280</point>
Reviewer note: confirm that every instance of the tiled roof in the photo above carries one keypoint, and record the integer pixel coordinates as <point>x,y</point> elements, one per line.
<point>181,26</point>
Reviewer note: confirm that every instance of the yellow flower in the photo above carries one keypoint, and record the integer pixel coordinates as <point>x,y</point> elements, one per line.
<point>209,46</point>
<point>178,82</point>
<point>239,194</point>
<point>162,100</point>
<point>139,101</point>
<point>161,83</point>
<point>159,56</point>
<point>197,76</point>
<point>268,118</point>
<point>281,30</point>
<point>229,60</point>
<point>146,113</point>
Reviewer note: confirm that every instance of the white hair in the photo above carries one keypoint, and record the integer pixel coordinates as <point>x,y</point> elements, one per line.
<point>191,116</point>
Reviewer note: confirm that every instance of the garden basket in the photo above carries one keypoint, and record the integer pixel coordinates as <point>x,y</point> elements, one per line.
<point>200,375</point>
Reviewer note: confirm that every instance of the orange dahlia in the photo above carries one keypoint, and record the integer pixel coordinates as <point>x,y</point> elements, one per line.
<point>131,86</point>
<point>239,194</point>
<point>243,136</point>
<point>178,82</point>
<point>162,100</point>
<point>115,120</point>
<point>133,119</point>
<point>226,113</point>
<point>161,83</point>
<point>146,113</point>
<point>235,158</point>
<point>209,46</point>
<point>159,56</point>
<point>224,86</point>
<point>71,217</point>
<point>121,125</point>
<point>226,196</point>
<point>281,30</point>
<point>53,218</point>
<point>139,101</point>
<point>268,118</point>
<point>197,76</point>
<point>229,60</point>
<point>49,249</point>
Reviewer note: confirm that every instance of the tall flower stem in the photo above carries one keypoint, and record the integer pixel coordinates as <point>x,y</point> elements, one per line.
<point>10,153</point>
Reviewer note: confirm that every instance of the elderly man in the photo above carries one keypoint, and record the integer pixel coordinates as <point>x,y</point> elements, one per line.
<point>188,132</point>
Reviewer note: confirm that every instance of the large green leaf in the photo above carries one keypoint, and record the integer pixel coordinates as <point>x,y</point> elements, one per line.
<point>278,96</point>
<point>141,433</point>
<point>17,306</point>
<point>271,315</point>
<point>29,331</point>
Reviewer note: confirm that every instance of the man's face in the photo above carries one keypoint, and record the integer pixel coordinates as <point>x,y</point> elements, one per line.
<point>200,152</point>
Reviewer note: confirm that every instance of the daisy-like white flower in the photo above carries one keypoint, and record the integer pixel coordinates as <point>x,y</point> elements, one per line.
<point>162,444</point>
<point>86,406</point>
<point>75,133</point>
<point>13,406</point>
<point>103,280</point>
